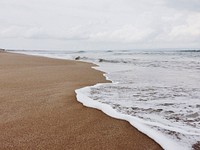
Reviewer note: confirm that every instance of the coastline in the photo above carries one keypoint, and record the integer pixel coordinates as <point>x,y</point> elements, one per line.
<point>40,110</point>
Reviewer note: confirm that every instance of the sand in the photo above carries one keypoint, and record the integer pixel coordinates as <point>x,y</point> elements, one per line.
<point>39,110</point>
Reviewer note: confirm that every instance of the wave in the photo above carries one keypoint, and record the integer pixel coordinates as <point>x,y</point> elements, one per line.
<point>190,51</point>
<point>141,125</point>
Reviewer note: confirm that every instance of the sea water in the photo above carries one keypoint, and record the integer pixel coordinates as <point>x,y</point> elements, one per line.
<point>158,92</point>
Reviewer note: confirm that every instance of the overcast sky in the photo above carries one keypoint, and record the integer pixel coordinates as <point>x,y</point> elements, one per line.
<point>99,24</point>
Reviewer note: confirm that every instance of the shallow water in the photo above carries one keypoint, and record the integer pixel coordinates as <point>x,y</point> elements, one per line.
<point>159,90</point>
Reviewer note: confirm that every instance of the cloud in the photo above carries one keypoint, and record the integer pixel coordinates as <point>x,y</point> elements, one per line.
<point>187,5</point>
<point>38,33</point>
<point>93,24</point>
<point>125,34</point>
<point>181,33</point>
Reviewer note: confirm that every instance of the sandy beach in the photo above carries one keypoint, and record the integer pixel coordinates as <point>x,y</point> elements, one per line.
<point>39,110</point>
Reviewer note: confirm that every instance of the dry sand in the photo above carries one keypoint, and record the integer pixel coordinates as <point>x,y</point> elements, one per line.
<point>38,108</point>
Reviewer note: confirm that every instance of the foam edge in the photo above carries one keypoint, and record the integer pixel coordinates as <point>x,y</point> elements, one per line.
<point>159,138</point>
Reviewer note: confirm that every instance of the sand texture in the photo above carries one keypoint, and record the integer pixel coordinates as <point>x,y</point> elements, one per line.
<point>38,108</point>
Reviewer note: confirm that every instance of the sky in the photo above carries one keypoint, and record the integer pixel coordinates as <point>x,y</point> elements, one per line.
<point>99,24</point>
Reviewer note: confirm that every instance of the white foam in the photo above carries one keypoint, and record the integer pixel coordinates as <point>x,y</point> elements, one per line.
<point>165,142</point>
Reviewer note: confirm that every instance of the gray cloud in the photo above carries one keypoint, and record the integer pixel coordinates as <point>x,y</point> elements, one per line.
<point>188,5</point>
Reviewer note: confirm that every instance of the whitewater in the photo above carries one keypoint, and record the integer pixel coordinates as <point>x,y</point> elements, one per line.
<point>158,92</point>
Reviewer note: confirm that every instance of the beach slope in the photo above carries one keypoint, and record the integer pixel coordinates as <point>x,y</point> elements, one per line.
<point>39,110</point>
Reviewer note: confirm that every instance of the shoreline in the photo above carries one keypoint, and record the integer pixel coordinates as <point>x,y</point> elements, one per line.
<point>52,117</point>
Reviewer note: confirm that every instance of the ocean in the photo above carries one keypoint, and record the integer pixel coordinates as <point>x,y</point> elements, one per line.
<point>158,92</point>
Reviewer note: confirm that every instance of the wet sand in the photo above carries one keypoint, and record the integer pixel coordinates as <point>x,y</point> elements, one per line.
<point>39,110</point>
